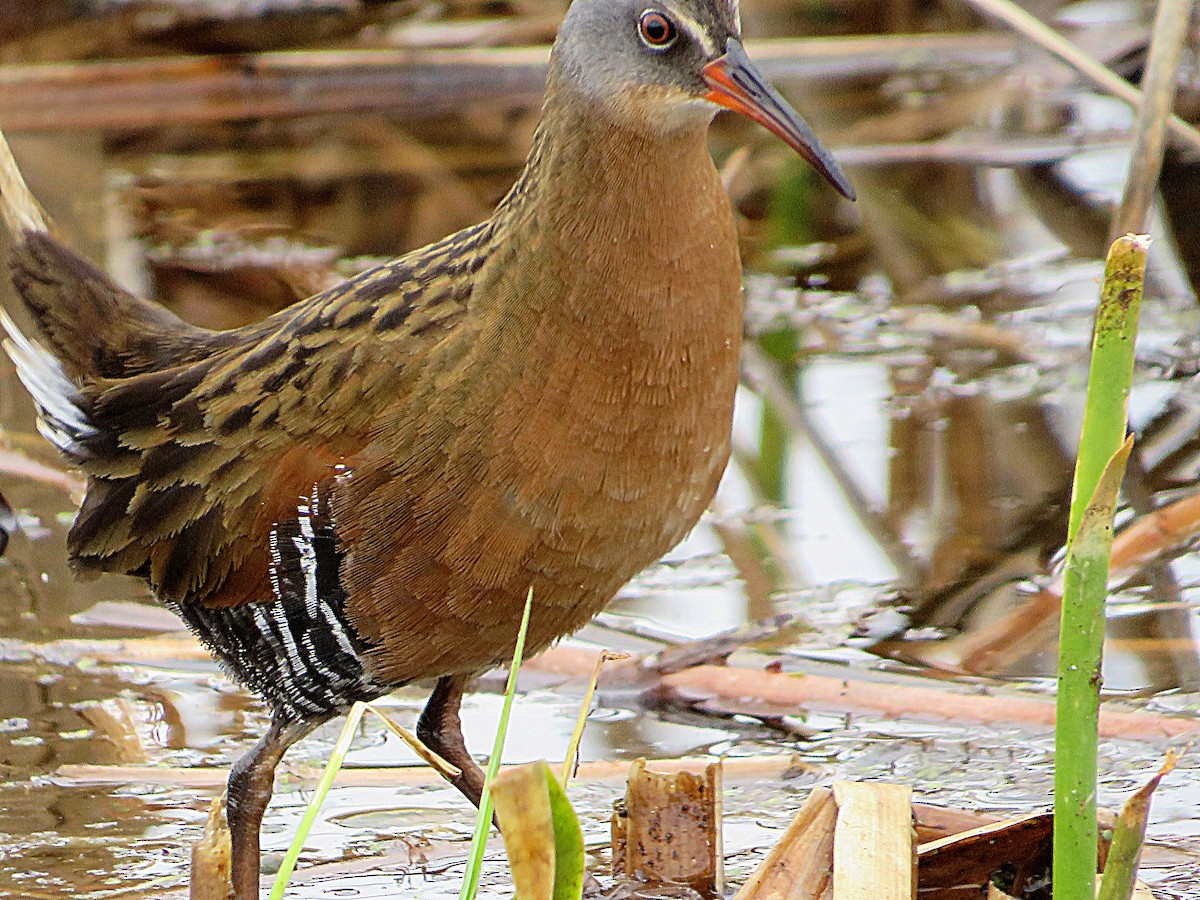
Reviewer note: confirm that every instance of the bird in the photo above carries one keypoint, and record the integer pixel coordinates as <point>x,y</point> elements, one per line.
<point>360,490</point>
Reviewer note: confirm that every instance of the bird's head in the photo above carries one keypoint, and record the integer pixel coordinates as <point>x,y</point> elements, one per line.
<point>665,63</point>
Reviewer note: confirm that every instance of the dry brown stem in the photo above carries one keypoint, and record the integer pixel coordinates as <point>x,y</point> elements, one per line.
<point>160,92</point>
<point>728,688</point>
<point>1153,115</point>
<point>1106,79</point>
<point>773,693</point>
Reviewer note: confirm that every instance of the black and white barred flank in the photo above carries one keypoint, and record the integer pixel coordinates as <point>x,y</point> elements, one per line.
<point>302,667</point>
<point>298,652</point>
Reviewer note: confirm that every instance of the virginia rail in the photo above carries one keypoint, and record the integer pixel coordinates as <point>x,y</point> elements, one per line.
<point>360,490</point>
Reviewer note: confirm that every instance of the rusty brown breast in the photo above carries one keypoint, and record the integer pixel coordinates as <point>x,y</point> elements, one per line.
<point>574,425</point>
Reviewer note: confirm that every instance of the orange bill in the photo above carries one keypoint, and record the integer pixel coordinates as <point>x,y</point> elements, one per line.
<point>737,84</point>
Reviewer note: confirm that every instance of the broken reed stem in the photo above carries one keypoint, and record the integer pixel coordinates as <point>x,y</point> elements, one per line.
<point>1111,371</point>
<point>212,857</point>
<point>801,862</point>
<point>1158,99</point>
<point>874,845</point>
<point>1125,854</point>
<point>571,759</point>
<point>1103,449</point>
<point>667,830</point>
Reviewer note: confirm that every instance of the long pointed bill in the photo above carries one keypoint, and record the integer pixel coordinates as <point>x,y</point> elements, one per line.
<point>737,84</point>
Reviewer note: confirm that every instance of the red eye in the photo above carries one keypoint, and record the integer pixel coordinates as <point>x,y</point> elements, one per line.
<point>657,31</point>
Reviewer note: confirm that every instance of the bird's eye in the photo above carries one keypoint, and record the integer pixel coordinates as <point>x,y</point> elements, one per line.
<point>657,31</point>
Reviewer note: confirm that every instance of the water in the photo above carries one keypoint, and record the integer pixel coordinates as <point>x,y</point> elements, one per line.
<point>916,495</point>
<point>65,839</point>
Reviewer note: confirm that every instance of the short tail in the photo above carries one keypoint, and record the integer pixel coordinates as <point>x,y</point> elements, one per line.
<point>85,326</point>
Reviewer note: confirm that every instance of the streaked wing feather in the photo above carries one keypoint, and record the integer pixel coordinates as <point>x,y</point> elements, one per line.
<point>197,445</point>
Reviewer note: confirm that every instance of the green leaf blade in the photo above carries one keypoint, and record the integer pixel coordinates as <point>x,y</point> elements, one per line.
<point>568,843</point>
<point>470,885</point>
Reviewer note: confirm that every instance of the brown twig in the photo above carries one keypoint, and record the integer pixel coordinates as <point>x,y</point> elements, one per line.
<point>1000,151</point>
<point>15,463</point>
<point>1158,98</point>
<point>160,92</point>
<point>1106,79</point>
<point>763,692</point>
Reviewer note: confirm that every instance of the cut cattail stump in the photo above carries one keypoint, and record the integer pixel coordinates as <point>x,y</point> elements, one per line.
<point>667,830</point>
<point>211,857</point>
<point>874,844</point>
<point>800,866</point>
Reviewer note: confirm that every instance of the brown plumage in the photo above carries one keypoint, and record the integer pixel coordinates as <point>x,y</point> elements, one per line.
<point>359,490</point>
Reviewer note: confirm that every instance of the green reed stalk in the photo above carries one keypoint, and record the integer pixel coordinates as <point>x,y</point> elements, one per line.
<point>1101,462</point>
<point>284,875</point>
<point>483,822</point>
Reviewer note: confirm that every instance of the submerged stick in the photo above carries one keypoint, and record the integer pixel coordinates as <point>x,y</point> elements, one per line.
<point>842,690</point>
<point>736,689</point>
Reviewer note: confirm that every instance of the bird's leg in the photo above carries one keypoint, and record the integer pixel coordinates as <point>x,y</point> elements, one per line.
<point>440,729</point>
<point>251,782</point>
